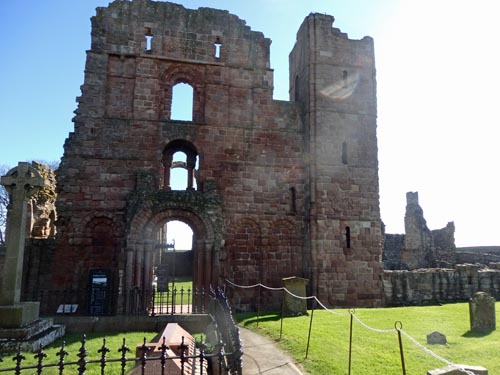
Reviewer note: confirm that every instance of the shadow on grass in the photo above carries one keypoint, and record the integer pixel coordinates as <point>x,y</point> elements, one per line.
<point>251,318</point>
<point>476,334</point>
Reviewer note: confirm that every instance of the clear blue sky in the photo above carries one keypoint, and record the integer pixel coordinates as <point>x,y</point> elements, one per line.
<point>437,75</point>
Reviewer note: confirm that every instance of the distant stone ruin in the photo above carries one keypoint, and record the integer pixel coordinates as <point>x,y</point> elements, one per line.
<point>424,266</point>
<point>419,247</point>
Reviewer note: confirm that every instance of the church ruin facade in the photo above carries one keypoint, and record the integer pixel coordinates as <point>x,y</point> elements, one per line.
<point>272,189</point>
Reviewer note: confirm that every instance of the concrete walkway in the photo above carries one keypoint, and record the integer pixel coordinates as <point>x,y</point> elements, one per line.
<point>262,356</point>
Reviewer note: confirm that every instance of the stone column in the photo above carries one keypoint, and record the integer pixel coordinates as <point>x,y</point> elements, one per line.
<point>167,164</point>
<point>191,164</point>
<point>139,265</point>
<point>148,266</point>
<point>21,183</point>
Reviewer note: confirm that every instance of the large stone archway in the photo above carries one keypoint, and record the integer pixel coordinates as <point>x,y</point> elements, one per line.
<point>148,211</point>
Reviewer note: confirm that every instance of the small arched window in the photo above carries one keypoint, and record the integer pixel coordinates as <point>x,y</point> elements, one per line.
<point>180,165</point>
<point>182,102</point>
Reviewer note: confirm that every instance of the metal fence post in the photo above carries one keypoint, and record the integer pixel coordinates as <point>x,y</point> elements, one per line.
<point>310,327</point>
<point>400,344</point>
<point>258,306</point>
<point>351,312</point>
<point>282,312</point>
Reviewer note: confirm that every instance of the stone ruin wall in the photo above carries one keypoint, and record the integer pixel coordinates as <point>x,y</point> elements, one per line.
<point>440,285</point>
<point>424,266</point>
<point>289,176</point>
<point>419,247</point>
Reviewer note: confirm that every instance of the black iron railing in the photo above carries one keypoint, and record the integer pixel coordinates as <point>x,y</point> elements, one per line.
<point>224,358</point>
<point>132,302</point>
<point>195,362</point>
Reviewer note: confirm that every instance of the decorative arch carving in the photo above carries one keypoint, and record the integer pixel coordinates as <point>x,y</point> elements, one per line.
<point>148,211</point>
<point>180,73</point>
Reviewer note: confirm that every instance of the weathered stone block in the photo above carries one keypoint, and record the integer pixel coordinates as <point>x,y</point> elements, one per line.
<point>436,337</point>
<point>18,315</point>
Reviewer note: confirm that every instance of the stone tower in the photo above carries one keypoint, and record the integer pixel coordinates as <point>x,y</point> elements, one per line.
<point>332,79</point>
<point>273,189</point>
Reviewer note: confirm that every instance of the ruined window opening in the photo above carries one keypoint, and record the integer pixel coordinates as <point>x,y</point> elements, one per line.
<point>182,172</point>
<point>348,237</point>
<point>217,45</point>
<point>182,102</point>
<point>344,153</point>
<point>149,38</point>
<point>293,203</point>
<point>180,166</point>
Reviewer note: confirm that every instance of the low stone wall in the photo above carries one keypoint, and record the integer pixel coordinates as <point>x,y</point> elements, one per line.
<point>437,285</point>
<point>125,323</point>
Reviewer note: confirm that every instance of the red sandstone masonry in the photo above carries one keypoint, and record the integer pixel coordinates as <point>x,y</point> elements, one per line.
<point>253,150</point>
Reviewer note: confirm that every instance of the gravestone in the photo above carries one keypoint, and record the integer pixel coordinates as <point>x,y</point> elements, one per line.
<point>21,183</point>
<point>482,313</point>
<point>436,337</point>
<point>295,306</point>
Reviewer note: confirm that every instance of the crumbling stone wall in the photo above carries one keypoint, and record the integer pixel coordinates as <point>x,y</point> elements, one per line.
<point>419,247</point>
<point>438,285</point>
<point>479,254</point>
<point>283,188</point>
<point>418,250</point>
<point>391,255</point>
<point>444,246</point>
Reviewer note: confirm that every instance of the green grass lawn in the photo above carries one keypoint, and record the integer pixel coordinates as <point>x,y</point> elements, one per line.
<point>376,352</point>
<point>183,295</point>
<point>94,342</point>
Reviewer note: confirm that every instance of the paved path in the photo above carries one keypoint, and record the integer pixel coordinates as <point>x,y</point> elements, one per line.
<point>262,356</point>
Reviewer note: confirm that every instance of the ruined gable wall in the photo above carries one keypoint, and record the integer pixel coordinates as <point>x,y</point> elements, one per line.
<point>250,145</point>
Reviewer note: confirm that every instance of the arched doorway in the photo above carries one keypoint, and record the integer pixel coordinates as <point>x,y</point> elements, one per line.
<point>173,265</point>
<point>146,230</point>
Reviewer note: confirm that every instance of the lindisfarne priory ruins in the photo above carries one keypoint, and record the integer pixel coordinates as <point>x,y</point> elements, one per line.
<point>271,189</point>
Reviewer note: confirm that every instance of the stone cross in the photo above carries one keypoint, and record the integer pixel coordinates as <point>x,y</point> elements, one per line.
<point>21,183</point>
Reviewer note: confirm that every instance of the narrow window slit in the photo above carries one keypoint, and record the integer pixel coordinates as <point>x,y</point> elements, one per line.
<point>344,153</point>
<point>217,45</point>
<point>347,237</point>
<point>149,39</point>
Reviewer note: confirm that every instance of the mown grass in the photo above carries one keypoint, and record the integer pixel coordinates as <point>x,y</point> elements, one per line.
<point>93,344</point>
<point>376,352</point>
<point>183,295</point>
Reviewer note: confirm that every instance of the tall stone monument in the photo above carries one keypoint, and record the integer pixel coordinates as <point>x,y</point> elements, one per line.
<point>19,321</point>
<point>21,183</point>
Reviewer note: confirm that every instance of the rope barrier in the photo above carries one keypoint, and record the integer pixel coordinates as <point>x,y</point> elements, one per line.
<point>363,324</point>
<point>438,357</point>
